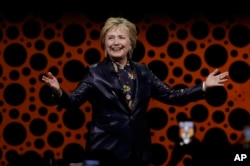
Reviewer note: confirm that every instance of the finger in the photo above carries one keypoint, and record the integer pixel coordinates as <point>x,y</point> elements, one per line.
<point>226,72</point>
<point>214,72</point>
<point>223,75</point>
<point>44,77</point>
<point>51,75</point>
<point>223,80</point>
<point>47,79</point>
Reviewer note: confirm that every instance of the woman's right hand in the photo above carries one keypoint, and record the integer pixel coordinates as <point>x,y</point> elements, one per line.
<point>52,82</point>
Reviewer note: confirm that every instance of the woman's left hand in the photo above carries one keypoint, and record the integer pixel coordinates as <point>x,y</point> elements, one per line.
<point>214,79</point>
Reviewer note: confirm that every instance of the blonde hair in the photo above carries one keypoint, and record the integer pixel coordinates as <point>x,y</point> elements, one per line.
<point>122,22</point>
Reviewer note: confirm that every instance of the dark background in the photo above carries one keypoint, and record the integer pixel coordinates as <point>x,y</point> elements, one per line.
<point>133,7</point>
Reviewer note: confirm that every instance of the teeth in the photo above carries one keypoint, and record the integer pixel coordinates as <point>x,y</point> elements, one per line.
<point>115,49</point>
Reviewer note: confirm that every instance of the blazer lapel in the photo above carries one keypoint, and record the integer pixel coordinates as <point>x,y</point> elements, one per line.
<point>137,88</point>
<point>111,77</point>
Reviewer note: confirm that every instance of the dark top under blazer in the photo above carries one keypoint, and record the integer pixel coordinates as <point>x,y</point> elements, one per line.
<point>114,126</point>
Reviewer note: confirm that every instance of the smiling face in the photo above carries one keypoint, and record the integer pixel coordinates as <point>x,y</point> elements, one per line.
<point>118,44</point>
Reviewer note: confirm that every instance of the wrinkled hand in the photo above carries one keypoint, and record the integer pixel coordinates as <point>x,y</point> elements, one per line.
<point>52,81</point>
<point>216,80</point>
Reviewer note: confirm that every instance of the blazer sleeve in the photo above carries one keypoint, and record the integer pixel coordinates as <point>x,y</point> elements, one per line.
<point>78,96</point>
<point>162,92</point>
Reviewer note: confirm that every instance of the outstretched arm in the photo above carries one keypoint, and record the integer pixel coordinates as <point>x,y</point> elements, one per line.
<point>168,95</point>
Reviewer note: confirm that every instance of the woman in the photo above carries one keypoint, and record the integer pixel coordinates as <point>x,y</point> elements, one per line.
<point>119,90</point>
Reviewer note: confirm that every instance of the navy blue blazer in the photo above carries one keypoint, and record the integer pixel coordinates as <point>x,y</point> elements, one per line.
<point>115,127</point>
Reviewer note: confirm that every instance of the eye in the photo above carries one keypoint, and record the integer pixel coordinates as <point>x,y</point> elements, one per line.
<point>110,37</point>
<point>122,37</point>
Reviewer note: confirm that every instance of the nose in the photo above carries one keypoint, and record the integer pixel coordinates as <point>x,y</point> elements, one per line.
<point>116,40</point>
